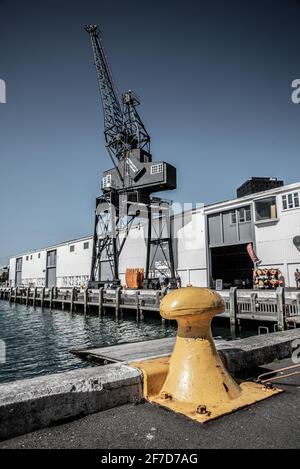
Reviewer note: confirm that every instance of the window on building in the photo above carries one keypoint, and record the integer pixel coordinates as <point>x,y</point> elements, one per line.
<point>157,168</point>
<point>241,215</point>
<point>86,245</point>
<point>72,248</point>
<point>244,214</point>
<point>265,209</point>
<point>39,255</point>
<point>51,258</point>
<point>31,257</point>
<point>233,217</point>
<point>27,258</point>
<point>290,201</point>
<point>106,181</point>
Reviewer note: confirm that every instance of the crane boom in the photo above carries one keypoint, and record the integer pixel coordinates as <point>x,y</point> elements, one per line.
<point>123,127</point>
<point>112,111</point>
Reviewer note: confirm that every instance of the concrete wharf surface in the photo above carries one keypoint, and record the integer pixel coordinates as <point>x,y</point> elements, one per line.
<point>272,423</point>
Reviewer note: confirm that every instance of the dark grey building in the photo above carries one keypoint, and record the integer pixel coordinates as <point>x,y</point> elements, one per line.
<point>258,184</point>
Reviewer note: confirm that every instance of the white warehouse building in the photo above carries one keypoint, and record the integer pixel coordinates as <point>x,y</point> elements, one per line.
<point>210,244</point>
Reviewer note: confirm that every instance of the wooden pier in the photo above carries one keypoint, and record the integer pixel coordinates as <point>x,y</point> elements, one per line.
<point>86,300</point>
<point>278,307</point>
<point>128,352</point>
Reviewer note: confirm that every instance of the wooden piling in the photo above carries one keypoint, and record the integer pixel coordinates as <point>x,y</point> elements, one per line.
<point>137,305</point>
<point>233,311</point>
<point>72,299</point>
<point>100,300</point>
<point>298,303</point>
<point>118,301</point>
<point>280,300</point>
<point>34,296</point>
<point>85,300</point>
<point>157,304</point>
<point>253,302</point>
<point>51,297</point>
<point>42,297</point>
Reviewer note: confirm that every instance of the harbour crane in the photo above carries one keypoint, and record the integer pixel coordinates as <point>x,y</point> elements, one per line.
<point>128,186</point>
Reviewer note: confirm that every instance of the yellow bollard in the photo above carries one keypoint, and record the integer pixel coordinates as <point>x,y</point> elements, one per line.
<point>194,381</point>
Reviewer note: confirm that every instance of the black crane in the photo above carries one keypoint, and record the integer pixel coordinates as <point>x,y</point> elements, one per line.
<point>127,187</point>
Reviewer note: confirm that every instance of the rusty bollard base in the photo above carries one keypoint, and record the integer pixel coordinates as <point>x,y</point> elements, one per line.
<point>155,372</point>
<point>193,380</point>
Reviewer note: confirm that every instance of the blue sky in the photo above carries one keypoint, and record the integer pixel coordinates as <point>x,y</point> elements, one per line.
<point>215,82</point>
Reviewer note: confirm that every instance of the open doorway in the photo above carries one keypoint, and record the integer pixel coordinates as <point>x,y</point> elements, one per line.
<point>233,265</point>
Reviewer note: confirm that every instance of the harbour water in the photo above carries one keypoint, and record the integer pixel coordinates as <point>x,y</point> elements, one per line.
<point>38,341</point>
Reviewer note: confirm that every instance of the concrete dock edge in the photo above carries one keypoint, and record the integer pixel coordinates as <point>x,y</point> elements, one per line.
<point>243,354</point>
<point>36,403</point>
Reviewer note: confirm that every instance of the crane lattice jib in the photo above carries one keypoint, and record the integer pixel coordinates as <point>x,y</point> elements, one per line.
<point>123,127</point>
<point>136,133</point>
<point>113,115</point>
